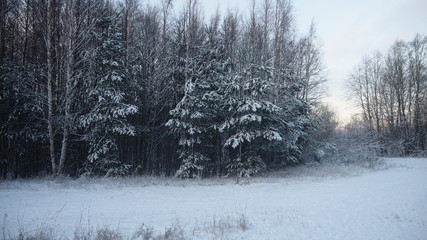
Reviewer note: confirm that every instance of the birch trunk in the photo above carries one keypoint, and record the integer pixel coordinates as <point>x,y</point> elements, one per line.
<point>68,83</point>
<point>49,86</point>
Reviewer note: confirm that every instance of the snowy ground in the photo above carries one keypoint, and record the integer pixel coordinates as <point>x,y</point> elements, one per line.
<point>323,202</point>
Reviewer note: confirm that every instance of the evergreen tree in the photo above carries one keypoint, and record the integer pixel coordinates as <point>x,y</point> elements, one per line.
<point>296,124</point>
<point>196,116</point>
<point>106,118</point>
<point>22,118</point>
<point>252,121</point>
<point>21,102</point>
<point>188,122</point>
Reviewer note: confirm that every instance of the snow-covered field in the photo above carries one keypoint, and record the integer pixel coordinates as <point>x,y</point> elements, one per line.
<point>321,202</point>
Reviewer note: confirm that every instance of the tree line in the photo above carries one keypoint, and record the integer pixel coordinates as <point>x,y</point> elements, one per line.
<point>106,88</point>
<point>391,90</point>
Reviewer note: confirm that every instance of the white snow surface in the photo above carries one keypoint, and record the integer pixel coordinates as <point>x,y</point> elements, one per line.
<point>317,202</point>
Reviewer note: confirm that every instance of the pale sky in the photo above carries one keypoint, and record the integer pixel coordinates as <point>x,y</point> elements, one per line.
<point>348,29</point>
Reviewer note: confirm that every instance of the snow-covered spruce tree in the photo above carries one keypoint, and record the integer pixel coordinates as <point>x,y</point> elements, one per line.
<point>252,121</point>
<point>110,105</point>
<point>188,123</point>
<point>297,123</point>
<point>22,114</point>
<point>195,118</point>
<point>21,102</point>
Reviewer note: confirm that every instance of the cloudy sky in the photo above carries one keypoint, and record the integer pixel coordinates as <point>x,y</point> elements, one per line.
<point>348,29</point>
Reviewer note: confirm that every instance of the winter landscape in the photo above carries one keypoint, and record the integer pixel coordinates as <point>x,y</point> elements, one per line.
<point>316,202</point>
<point>213,119</point>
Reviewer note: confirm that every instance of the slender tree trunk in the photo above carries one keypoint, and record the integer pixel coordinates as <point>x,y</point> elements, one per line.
<point>27,14</point>
<point>2,30</point>
<point>49,86</point>
<point>224,153</point>
<point>68,82</point>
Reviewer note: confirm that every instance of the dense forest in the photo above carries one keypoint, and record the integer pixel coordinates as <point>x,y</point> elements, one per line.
<point>107,88</point>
